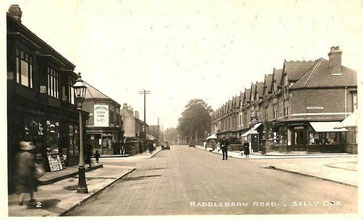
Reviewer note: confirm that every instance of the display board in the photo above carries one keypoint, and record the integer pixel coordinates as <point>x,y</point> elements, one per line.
<point>54,161</point>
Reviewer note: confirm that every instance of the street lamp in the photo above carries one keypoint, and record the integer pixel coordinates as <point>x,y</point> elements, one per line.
<point>80,92</point>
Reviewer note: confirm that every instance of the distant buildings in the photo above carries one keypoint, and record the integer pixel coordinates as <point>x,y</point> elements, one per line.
<point>104,127</point>
<point>296,108</point>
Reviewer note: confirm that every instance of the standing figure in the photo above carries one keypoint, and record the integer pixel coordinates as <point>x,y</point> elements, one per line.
<point>246,145</point>
<point>224,146</point>
<point>97,156</point>
<point>88,157</point>
<point>154,146</point>
<point>26,171</point>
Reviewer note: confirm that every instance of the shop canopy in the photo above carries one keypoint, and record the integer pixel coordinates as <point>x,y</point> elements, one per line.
<point>253,130</point>
<point>326,127</point>
<point>213,136</point>
<point>350,121</point>
<point>149,137</point>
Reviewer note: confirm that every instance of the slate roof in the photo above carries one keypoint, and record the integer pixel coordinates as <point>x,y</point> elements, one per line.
<point>93,93</point>
<point>320,76</point>
<point>259,87</point>
<point>247,95</point>
<point>253,89</point>
<point>268,83</point>
<point>277,73</point>
<point>295,69</point>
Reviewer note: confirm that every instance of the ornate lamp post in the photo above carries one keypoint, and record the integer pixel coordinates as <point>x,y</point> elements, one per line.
<point>80,92</point>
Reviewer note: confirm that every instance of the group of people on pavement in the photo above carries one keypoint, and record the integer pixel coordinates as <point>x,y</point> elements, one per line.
<point>224,143</point>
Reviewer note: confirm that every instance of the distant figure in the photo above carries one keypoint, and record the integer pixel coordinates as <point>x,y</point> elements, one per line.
<point>97,156</point>
<point>26,171</point>
<point>246,145</point>
<point>88,158</point>
<point>224,146</point>
<point>154,146</point>
<point>205,145</point>
<point>151,148</point>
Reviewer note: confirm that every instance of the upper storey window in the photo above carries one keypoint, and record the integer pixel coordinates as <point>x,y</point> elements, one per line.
<point>24,68</point>
<point>53,83</point>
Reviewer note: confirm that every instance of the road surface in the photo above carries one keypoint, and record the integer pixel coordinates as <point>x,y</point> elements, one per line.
<point>188,181</point>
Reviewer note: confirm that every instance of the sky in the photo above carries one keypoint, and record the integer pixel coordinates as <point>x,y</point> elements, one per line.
<point>181,50</point>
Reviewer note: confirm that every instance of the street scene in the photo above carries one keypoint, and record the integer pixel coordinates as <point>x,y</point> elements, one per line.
<point>182,108</point>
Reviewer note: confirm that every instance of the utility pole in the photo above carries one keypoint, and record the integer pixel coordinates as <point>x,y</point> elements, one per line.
<point>144,92</point>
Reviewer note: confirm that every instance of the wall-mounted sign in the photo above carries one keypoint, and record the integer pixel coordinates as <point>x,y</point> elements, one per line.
<point>101,115</point>
<point>314,108</point>
<point>42,89</point>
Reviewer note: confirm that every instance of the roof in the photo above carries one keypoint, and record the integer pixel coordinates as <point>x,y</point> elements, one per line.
<point>277,73</point>
<point>247,95</point>
<point>295,69</point>
<point>260,89</point>
<point>268,82</point>
<point>253,89</point>
<point>320,76</point>
<point>93,93</point>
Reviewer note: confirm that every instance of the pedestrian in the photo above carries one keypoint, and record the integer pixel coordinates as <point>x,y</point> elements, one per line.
<point>97,156</point>
<point>224,146</point>
<point>150,148</point>
<point>88,157</point>
<point>246,145</point>
<point>26,171</point>
<point>205,145</point>
<point>154,145</point>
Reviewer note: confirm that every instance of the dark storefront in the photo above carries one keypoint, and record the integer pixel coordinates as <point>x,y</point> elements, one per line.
<point>309,136</point>
<point>40,100</point>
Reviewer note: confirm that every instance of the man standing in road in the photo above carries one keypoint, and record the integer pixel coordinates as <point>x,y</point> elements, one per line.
<point>224,146</point>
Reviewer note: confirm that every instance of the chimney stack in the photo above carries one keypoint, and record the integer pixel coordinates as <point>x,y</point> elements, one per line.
<point>15,12</point>
<point>335,60</point>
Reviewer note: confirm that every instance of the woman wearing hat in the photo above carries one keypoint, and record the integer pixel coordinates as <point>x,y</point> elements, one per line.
<point>27,182</point>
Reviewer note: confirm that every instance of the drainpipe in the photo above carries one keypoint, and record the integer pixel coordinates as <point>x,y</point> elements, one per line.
<point>345,102</point>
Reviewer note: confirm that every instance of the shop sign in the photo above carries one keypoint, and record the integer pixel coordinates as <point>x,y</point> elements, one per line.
<point>299,128</point>
<point>101,115</point>
<point>314,108</point>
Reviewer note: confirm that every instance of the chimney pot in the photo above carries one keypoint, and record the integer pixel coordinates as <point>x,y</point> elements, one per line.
<point>335,60</point>
<point>15,12</point>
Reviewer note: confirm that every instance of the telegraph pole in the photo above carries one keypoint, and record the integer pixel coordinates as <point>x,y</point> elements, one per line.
<point>144,92</point>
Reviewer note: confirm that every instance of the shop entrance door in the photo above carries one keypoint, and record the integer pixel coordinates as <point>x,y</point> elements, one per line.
<point>107,145</point>
<point>299,140</point>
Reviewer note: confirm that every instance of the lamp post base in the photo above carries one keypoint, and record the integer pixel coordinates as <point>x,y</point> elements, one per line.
<point>82,185</point>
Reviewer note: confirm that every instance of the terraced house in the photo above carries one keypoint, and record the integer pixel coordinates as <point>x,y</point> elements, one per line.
<point>299,107</point>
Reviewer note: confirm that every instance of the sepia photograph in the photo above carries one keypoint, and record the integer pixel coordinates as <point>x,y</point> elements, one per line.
<point>181,108</point>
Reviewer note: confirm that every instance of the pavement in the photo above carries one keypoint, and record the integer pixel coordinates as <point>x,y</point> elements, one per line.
<point>57,191</point>
<point>336,167</point>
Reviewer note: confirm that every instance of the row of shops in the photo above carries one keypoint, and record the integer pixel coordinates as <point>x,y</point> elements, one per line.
<point>302,107</point>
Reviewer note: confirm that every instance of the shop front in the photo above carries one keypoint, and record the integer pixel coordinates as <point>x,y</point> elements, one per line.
<point>310,137</point>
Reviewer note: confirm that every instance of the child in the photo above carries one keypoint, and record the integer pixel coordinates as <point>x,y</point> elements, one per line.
<point>97,156</point>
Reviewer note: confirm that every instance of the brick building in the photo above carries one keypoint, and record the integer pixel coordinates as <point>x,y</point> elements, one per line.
<point>104,126</point>
<point>40,99</point>
<point>298,107</point>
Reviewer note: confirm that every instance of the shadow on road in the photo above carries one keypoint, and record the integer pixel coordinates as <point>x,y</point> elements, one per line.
<point>134,178</point>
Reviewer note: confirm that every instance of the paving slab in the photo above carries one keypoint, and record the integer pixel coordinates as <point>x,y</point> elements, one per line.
<point>58,198</point>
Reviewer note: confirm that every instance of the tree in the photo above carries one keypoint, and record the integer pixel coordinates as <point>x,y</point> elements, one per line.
<point>195,121</point>
<point>170,134</point>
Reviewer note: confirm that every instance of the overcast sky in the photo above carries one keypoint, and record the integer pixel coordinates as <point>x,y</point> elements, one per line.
<point>180,50</point>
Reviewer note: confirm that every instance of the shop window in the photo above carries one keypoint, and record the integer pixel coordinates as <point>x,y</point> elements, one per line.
<point>24,68</point>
